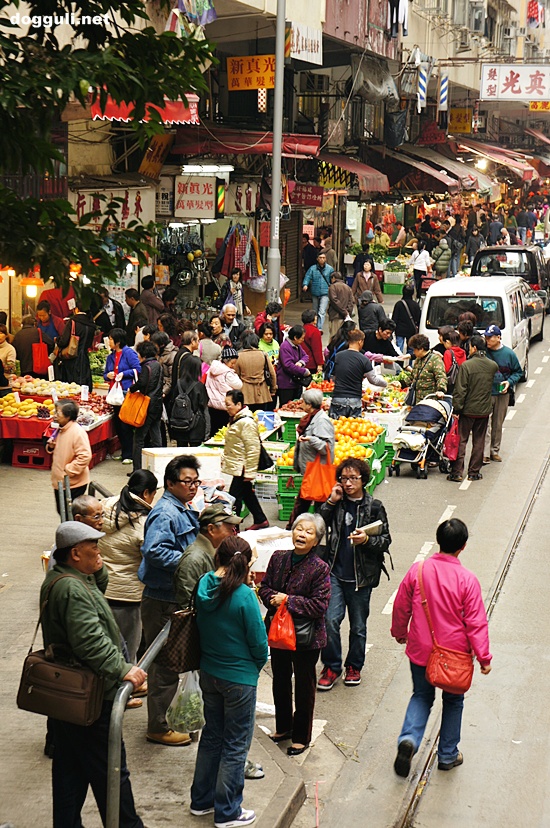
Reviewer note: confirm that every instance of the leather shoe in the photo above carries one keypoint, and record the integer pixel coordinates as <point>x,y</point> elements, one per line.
<point>170,738</point>
<point>486,461</point>
<point>296,751</point>
<point>446,766</point>
<point>131,704</point>
<point>263,525</point>
<point>280,737</point>
<point>496,458</point>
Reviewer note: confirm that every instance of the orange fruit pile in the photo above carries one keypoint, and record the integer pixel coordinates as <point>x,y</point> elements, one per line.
<point>357,429</point>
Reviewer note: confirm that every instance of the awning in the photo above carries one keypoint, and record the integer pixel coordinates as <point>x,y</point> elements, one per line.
<point>451,184</point>
<point>214,140</point>
<point>173,112</point>
<point>500,156</point>
<point>370,180</point>
<point>470,178</point>
<point>536,133</point>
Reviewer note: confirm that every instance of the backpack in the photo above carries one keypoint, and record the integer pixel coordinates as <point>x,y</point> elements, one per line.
<point>452,373</point>
<point>330,363</point>
<point>183,416</point>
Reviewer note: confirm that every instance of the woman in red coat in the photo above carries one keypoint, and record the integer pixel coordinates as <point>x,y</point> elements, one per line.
<point>313,343</point>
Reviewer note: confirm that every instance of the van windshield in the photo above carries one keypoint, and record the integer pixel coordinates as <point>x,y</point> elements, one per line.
<point>445,310</point>
<point>507,263</point>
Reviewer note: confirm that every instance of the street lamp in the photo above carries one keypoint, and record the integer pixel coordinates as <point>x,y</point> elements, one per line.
<point>274,253</point>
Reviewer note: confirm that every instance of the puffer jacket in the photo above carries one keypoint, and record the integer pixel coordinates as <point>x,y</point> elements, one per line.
<point>121,550</point>
<point>368,558</point>
<point>219,380</point>
<point>320,431</point>
<point>166,359</point>
<point>319,279</point>
<point>242,446</point>
<point>129,362</point>
<point>442,258</point>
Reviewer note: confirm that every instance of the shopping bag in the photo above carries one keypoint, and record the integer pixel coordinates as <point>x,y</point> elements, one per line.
<point>133,410</point>
<point>40,356</point>
<point>319,480</point>
<point>71,350</point>
<point>452,441</point>
<point>282,635</point>
<point>115,395</point>
<point>186,711</point>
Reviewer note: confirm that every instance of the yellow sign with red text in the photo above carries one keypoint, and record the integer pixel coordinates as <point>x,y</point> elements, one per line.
<point>539,106</point>
<point>253,72</point>
<point>460,120</point>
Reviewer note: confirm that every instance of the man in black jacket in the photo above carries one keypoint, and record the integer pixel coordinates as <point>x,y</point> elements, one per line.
<point>231,327</point>
<point>356,560</point>
<point>108,315</point>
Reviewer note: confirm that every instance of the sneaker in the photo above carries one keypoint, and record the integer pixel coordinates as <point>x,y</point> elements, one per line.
<point>352,677</point>
<point>486,461</point>
<point>478,476</point>
<point>446,766</point>
<point>405,753</point>
<point>327,679</point>
<point>204,812</point>
<point>246,818</point>
<point>127,462</point>
<point>252,770</point>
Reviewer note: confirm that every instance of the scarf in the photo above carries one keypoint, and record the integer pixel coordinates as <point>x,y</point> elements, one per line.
<point>304,422</point>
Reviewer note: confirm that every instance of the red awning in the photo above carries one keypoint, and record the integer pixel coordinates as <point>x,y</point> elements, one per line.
<point>220,141</point>
<point>536,133</point>
<point>370,180</point>
<point>173,112</point>
<point>451,184</point>
<point>506,158</point>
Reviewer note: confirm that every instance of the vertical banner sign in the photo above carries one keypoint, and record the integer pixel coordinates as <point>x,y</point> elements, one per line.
<point>443,103</point>
<point>476,118</point>
<point>422,93</point>
<point>220,198</point>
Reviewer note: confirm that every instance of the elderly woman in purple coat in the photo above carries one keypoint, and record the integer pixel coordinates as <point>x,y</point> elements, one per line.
<point>301,577</point>
<point>292,366</point>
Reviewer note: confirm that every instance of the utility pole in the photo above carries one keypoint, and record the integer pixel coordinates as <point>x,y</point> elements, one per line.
<point>274,253</point>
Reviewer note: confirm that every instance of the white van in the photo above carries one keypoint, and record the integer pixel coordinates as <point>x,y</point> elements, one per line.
<point>493,301</point>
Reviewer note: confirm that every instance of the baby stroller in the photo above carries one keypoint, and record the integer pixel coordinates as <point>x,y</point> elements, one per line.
<point>421,440</point>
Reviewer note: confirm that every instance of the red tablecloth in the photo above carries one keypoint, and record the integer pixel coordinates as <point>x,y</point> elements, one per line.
<point>17,428</point>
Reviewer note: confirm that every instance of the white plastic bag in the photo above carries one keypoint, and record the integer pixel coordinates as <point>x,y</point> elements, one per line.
<point>186,711</point>
<point>115,395</point>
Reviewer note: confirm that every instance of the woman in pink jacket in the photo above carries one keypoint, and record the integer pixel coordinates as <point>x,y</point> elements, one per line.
<point>220,379</point>
<point>458,615</point>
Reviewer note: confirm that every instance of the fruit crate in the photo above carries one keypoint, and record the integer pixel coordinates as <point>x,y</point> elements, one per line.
<point>379,445</point>
<point>266,490</point>
<point>30,454</point>
<point>395,290</point>
<point>286,505</point>
<point>289,484</point>
<point>371,485</point>
<point>380,475</point>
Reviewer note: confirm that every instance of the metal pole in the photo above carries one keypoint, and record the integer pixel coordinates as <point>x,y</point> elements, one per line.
<point>68,498</point>
<point>274,253</point>
<point>61,495</point>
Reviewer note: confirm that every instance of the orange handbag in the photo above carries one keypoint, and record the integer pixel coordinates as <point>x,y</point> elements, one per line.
<point>318,480</point>
<point>133,410</point>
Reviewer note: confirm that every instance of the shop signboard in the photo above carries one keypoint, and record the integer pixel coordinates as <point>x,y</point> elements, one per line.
<point>164,199</point>
<point>195,197</point>
<point>460,120</point>
<point>305,43</point>
<point>251,72</point>
<point>155,155</point>
<point>307,195</point>
<point>539,106</point>
<point>135,204</point>
<point>515,82</point>
<point>265,233</point>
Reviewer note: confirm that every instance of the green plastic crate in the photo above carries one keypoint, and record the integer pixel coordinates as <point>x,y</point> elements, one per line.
<point>289,484</point>
<point>371,485</point>
<point>395,290</point>
<point>379,445</point>
<point>286,505</point>
<point>379,476</point>
<point>289,428</point>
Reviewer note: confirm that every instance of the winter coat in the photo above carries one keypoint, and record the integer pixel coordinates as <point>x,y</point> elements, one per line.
<point>200,431</point>
<point>137,319</point>
<point>23,342</point>
<point>166,359</point>
<point>250,368</point>
<point>209,351</point>
<point>77,369</point>
<point>71,456</point>
<point>154,305</point>
<point>330,253</point>
<point>340,301</point>
<point>307,585</point>
<point>313,346</point>
<point>79,619</point>
<point>456,609</point>
<point>429,375</point>
<point>320,431</point>
<point>196,561</point>
<point>362,282</point>
<point>219,380</point>
<point>369,557</point>
<point>234,332</point>
<point>261,318</point>
<point>103,321</point>
<point>442,258</point>
<point>472,391</point>
<point>371,315</point>
<point>287,369</point>
<point>129,362</point>
<point>474,244</point>
<point>121,549</point>
<point>319,279</point>
<point>459,354</point>
<point>149,382</point>
<point>242,446</point>
<point>404,326</point>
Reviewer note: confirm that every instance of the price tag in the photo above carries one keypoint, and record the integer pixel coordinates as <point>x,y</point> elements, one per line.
<point>51,373</point>
<point>84,391</point>
<point>16,396</point>
<point>106,341</point>
<point>55,398</point>
<point>71,304</point>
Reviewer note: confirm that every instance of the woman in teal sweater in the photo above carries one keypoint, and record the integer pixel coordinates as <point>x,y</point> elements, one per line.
<point>233,651</point>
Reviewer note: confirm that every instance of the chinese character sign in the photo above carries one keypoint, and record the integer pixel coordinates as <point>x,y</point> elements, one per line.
<point>195,197</point>
<point>460,120</point>
<point>515,82</point>
<point>539,106</point>
<point>253,72</point>
<point>306,43</point>
<point>307,195</point>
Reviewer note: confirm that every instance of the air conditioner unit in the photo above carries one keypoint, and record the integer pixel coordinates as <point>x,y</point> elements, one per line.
<point>310,82</point>
<point>509,33</point>
<point>521,31</point>
<point>464,39</point>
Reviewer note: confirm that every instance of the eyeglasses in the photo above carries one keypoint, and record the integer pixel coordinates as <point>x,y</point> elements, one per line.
<point>349,479</point>
<point>191,483</point>
<point>96,518</point>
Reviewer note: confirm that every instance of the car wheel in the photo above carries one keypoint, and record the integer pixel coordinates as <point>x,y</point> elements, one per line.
<point>540,336</point>
<point>525,375</point>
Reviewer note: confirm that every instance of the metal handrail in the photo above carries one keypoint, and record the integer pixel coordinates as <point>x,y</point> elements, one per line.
<point>115,731</point>
<point>94,487</point>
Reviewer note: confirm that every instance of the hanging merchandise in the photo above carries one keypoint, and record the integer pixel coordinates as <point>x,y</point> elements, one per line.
<point>398,13</point>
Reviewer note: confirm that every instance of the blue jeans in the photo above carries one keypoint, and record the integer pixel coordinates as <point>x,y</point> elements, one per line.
<point>418,711</point>
<point>345,407</point>
<point>320,305</point>
<point>229,710</point>
<point>343,595</point>
<point>522,233</point>
<point>454,267</point>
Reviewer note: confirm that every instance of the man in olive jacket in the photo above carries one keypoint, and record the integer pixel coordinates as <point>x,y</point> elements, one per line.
<point>78,619</point>
<point>472,404</point>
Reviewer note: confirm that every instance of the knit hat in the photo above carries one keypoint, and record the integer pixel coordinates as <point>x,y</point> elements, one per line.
<point>229,353</point>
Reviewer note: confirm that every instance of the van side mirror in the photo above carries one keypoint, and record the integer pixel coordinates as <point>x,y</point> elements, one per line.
<point>529,311</point>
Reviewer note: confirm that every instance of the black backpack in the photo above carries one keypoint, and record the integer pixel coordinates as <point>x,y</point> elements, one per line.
<point>183,416</point>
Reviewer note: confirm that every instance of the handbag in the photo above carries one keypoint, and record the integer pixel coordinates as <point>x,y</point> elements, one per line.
<point>181,652</point>
<point>267,372</point>
<point>452,441</point>
<point>319,479</point>
<point>71,350</point>
<point>133,410</point>
<point>265,461</point>
<point>57,686</point>
<point>410,399</point>
<point>40,356</point>
<point>450,670</point>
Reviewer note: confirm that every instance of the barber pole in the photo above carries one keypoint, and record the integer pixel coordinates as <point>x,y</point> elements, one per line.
<point>422,92</point>
<point>443,103</point>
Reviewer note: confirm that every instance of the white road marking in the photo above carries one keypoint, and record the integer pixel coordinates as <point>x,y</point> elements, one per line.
<point>530,383</point>
<point>511,414</point>
<point>424,552</point>
<point>521,398</point>
<point>447,514</point>
<point>389,606</point>
<point>538,370</point>
<point>546,358</point>
<point>465,485</point>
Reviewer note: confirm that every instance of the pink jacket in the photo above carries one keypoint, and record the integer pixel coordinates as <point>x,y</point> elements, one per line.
<point>456,608</point>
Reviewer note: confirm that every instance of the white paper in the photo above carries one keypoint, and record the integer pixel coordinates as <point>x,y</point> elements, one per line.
<point>106,341</point>
<point>51,373</point>
<point>16,396</point>
<point>84,391</point>
<point>71,304</point>
<point>55,398</point>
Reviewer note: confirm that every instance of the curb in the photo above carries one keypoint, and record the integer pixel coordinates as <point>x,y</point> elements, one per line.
<point>289,797</point>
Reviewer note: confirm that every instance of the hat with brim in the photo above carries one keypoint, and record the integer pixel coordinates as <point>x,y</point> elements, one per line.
<point>71,532</point>
<point>218,514</point>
